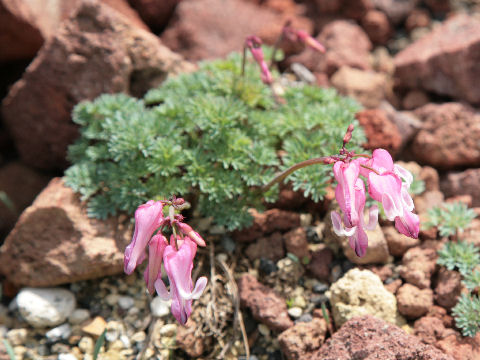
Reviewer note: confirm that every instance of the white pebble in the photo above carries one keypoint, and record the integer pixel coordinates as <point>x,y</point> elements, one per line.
<point>125,302</point>
<point>168,330</point>
<point>66,357</point>
<point>78,316</point>
<point>264,330</point>
<point>17,336</point>
<point>58,333</point>
<point>45,307</point>
<point>295,312</point>
<point>159,307</point>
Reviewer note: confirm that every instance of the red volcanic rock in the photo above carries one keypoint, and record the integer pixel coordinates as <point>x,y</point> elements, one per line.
<point>208,29</point>
<point>380,131</point>
<point>449,136</point>
<point>369,338</point>
<point>441,313</point>
<point>459,347</point>
<point>97,51</point>
<point>418,266</point>
<point>431,329</point>
<point>319,265</point>
<point>413,302</point>
<point>376,25</point>
<point>444,61</point>
<point>55,242</point>
<point>266,306</point>
<point>296,243</point>
<point>266,223</point>
<point>398,243</point>
<point>448,288</point>
<point>396,10</point>
<point>20,184</point>
<point>302,339</point>
<point>346,44</point>
<point>267,247</point>
<point>414,99</point>
<point>156,14</point>
<point>464,182</point>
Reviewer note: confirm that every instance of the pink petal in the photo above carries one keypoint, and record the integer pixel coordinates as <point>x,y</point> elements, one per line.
<point>360,241</point>
<point>372,218</point>
<point>155,252</point>
<point>392,210</point>
<point>403,174</point>
<point>407,199</point>
<point>382,161</point>
<point>408,225</point>
<point>386,183</point>
<point>338,227</point>
<point>199,287</point>
<point>162,290</point>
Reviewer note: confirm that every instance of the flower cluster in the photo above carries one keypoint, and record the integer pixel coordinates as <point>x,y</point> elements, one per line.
<point>176,255</point>
<point>388,183</point>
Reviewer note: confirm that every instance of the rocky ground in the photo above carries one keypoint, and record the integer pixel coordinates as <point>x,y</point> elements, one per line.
<point>414,66</point>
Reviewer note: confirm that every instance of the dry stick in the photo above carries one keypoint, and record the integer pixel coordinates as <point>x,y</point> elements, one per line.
<point>238,314</point>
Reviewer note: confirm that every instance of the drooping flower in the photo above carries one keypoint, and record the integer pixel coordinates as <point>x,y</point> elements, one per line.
<point>254,44</point>
<point>156,247</point>
<point>346,175</point>
<point>302,36</point>
<point>358,239</point>
<point>147,219</point>
<point>178,265</point>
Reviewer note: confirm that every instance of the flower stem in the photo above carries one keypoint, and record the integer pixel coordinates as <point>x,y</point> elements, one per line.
<point>369,168</point>
<point>321,160</point>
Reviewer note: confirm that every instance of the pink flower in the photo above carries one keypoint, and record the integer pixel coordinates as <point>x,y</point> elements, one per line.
<point>147,219</point>
<point>157,246</point>
<point>188,231</point>
<point>346,175</point>
<point>254,44</point>
<point>310,41</point>
<point>357,237</point>
<point>179,265</point>
<point>387,187</point>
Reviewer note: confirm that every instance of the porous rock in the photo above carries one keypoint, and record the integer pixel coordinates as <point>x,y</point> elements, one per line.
<point>448,288</point>
<point>418,265</point>
<point>98,50</point>
<point>302,339</point>
<point>464,182</point>
<point>270,247</point>
<point>444,61</point>
<point>367,337</point>
<point>266,306</point>
<point>361,292</point>
<point>296,243</point>
<point>414,302</point>
<point>448,137</point>
<point>398,243</point>
<point>55,242</point>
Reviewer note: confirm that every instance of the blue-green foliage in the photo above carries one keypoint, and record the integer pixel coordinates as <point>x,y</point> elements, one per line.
<point>467,314</point>
<point>211,137</point>
<point>450,218</point>
<point>460,255</point>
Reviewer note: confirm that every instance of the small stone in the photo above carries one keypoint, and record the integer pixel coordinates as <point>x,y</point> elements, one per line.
<point>67,357</point>
<point>228,244</point>
<point>168,330</point>
<point>264,330</point>
<point>58,333</point>
<point>17,336</point>
<point>116,345</point>
<point>78,316</point>
<point>114,330</point>
<point>414,302</point>
<point>125,302</point>
<point>139,336</point>
<point>95,327</point>
<point>320,288</point>
<point>299,341</point>
<point>336,273</point>
<point>267,266</point>
<point>45,307</point>
<point>86,345</point>
<point>222,257</point>
<point>297,244</point>
<point>159,307</point>
<point>112,299</point>
<point>318,300</point>
<point>295,312</point>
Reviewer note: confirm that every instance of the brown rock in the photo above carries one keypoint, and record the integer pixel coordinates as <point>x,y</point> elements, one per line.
<point>156,14</point>
<point>430,176</point>
<point>415,99</point>
<point>369,338</point>
<point>460,348</point>
<point>266,306</point>
<point>97,51</point>
<point>444,61</point>
<point>382,271</point>
<point>328,6</point>
<point>366,87</point>
<point>396,10</point>
<point>418,18</point>
<point>266,223</point>
<point>299,341</point>
<point>464,182</point>
<point>398,243</point>
<point>449,136</point>
<point>439,6</point>
<point>414,302</point>
<point>448,288</point>
<point>20,38</point>
<point>55,242</point>
<point>357,9</point>
<point>430,329</point>
<point>428,200</point>
<point>380,131</point>
<point>297,244</point>
<point>346,44</point>
<point>418,266</point>
<point>377,251</point>
<point>394,286</point>
<point>188,340</point>
<point>319,265</point>
<point>203,29</point>
<point>441,313</point>
<point>267,247</point>
<point>20,184</point>
<point>376,25</point>
<point>465,199</point>
<point>407,123</point>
